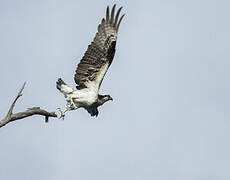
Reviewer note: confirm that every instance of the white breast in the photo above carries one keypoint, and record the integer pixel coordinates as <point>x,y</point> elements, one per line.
<point>84,97</point>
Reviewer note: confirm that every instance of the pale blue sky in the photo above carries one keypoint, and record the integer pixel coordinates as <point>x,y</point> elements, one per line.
<point>170,116</point>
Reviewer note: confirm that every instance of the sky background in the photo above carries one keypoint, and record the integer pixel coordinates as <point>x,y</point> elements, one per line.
<point>170,117</point>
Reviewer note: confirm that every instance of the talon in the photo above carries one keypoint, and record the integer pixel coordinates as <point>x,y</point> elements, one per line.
<point>62,113</point>
<point>62,117</point>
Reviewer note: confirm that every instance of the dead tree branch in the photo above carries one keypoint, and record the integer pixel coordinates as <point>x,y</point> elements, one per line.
<point>10,117</point>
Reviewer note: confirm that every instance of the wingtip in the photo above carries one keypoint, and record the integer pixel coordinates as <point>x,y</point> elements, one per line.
<point>114,6</point>
<point>117,15</point>
<point>120,21</point>
<point>112,13</point>
<point>107,13</point>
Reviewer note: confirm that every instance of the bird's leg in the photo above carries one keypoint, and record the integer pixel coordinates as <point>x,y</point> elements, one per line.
<point>72,103</point>
<point>70,106</point>
<point>63,112</point>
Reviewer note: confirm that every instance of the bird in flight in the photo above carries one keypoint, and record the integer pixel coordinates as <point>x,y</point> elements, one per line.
<point>92,68</point>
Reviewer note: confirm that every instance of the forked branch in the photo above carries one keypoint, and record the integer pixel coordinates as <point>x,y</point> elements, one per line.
<point>10,117</point>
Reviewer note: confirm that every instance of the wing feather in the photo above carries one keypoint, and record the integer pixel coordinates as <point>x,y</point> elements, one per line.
<point>99,55</point>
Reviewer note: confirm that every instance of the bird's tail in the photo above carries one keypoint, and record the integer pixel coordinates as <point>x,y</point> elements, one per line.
<point>60,82</point>
<point>63,87</point>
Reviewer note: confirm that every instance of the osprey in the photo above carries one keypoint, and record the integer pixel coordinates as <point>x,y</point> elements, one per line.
<point>93,67</point>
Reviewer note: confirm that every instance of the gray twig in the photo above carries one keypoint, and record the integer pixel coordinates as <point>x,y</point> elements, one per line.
<point>10,117</point>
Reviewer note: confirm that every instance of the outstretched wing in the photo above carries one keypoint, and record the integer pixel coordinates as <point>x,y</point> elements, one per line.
<point>99,55</point>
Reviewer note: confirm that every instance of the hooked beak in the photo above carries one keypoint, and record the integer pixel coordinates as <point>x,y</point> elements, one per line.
<point>111,99</point>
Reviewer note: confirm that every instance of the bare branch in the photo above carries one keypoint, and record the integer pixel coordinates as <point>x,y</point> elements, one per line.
<point>15,100</point>
<point>10,117</point>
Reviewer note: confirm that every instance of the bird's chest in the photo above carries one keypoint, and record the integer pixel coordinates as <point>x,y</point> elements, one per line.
<point>85,97</point>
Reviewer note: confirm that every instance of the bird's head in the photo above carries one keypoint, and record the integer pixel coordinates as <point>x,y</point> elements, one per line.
<point>104,98</point>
